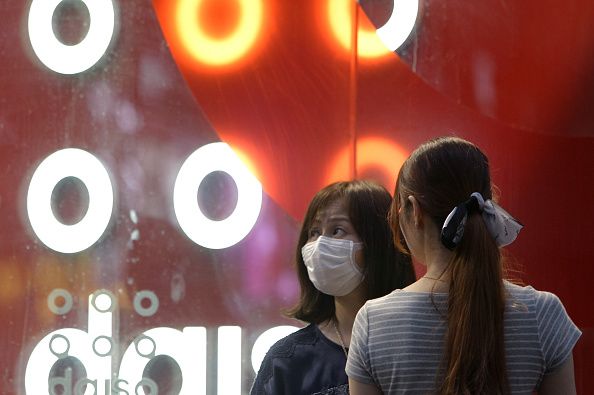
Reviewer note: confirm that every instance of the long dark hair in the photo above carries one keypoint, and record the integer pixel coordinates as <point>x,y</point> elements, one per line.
<point>441,174</point>
<point>385,267</point>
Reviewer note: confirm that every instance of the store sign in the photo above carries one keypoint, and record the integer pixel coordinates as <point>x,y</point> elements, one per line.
<point>107,369</point>
<point>96,350</point>
<point>73,59</point>
<point>72,162</point>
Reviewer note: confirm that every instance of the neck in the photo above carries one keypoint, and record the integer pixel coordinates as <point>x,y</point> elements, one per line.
<point>436,256</point>
<point>346,308</point>
<point>437,270</point>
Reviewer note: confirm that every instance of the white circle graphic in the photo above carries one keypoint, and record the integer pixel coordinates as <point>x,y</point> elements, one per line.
<point>200,229</point>
<point>102,346</point>
<point>70,59</point>
<point>59,293</point>
<point>70,162</point>
<point>401,23</point>
<point>145,346</point>
<point>103,301</point>
<point>146,311</point>
<point>59,345</point>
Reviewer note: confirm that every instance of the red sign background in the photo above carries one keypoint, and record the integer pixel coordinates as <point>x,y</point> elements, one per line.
<point>302,111</point>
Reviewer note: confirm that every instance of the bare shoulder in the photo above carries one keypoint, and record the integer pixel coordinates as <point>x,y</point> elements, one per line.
<point>358,388</point>
<point>560,380</point>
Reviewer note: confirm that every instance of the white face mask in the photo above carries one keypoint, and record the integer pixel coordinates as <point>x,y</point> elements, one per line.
<point>331,265</point>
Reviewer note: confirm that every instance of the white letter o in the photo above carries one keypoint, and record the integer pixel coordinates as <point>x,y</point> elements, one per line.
<point>70,59</point>
<point>200,229</point>
<point>401,23</point>
<point>70,162</point>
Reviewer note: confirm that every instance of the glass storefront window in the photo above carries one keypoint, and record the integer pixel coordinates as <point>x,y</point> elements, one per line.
<point>158,157</point>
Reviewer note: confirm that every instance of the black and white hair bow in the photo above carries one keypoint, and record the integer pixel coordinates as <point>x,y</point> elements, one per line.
<point>503,227</point>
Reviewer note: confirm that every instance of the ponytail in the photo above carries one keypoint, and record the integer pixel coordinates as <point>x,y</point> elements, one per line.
<point>441,174</point>
<point>474,352</point>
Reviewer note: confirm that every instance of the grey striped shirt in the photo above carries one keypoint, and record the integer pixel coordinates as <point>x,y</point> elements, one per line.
<point>397,340</point>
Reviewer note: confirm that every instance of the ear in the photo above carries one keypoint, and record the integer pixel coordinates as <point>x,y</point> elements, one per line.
<point>417,212</point>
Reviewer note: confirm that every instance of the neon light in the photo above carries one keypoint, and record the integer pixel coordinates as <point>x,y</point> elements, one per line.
<point>401,23</point>
<point>372,152</point>
<point>229,360</point>
<point>219,52</point>
<point>266,340</point>
<point>394,32</point>
<point>70,59</point>
<point>69,162</point>
<point>200,229</point>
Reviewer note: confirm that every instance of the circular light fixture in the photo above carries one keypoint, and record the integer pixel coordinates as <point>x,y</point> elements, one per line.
<point>219,51</point>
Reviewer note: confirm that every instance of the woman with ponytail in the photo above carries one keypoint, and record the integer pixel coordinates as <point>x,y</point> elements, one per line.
<point>461,328</point>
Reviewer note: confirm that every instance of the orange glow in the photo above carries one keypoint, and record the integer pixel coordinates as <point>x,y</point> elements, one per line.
<point>246,160</point>
<point>260,161</point>
<point>340,18</point>
<point>210,49</point>
<point>11,280</point>
<point>372,153</point>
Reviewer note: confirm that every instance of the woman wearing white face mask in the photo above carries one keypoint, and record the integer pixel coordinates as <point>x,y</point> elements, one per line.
<point>345,256</point>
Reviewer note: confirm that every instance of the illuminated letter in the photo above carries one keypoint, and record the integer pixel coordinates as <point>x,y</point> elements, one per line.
<point>394,32</point>
<point>200,229</point>
<point>229,360</point>
<point>266,340</point>
<point>70,162</point>
<point>218,52</point>
<point>70,59</point>
<point>71,342</point>
<point>187,348</point>
<point>401,23</point>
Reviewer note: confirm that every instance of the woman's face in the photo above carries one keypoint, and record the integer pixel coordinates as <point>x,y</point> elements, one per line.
<point>334,221</point>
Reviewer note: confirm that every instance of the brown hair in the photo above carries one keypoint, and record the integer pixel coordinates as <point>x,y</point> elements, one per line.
<point>385,267</point>
<point>441,174</point>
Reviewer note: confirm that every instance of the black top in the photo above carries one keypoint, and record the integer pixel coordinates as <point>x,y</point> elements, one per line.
<point>305,362</point>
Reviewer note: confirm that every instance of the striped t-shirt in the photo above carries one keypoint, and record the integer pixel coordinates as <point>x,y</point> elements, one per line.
<point>397,340</point>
